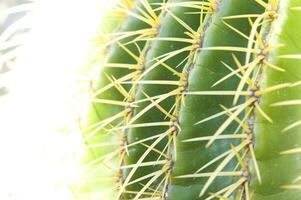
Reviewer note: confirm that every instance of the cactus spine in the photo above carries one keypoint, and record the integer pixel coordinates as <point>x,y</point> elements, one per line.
<point>198,100</point>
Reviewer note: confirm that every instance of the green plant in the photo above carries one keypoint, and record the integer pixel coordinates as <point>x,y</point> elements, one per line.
<point>197,100</point>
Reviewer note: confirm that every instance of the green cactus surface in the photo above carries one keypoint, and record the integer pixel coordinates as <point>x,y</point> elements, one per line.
<point>195,100</point>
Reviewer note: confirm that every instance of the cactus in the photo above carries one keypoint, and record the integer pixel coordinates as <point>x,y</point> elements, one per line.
<point>196,99</point>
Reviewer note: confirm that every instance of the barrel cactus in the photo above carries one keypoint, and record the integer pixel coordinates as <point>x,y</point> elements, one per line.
<point>196,99</point>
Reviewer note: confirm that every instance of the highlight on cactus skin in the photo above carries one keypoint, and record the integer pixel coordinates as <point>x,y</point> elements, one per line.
<point>196,99</point>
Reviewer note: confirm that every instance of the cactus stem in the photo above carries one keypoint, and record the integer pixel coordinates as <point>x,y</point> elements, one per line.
<point>148,20</point>
<point>111,85</point>
<point>221,166</point>
<point>165,82</point>
<point>154,103</point>
<point>141,125</point>
<point>197,37</point>
<point>158,162</point>
<point>149,149</point>
<point>201,5</point>
<point>261,51</point>
<point>161,59</point>
<point>139,34</point>
<point>152,19</point>
<point>234,115</point>
<point>99,125</point>
<point>219,93</point>
<point>113,102</point>
<point>221,137</point>
<point>208,174</point>
<point>234,186</point>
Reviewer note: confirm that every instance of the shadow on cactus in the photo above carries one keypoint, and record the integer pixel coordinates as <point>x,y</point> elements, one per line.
<point>196,100</point>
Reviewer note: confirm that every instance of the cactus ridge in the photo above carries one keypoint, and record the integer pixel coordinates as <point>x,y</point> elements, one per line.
<point>130,96</point>
<point>194,113</point>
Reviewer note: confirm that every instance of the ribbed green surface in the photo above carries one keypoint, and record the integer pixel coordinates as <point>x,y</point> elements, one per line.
<point>279,170</point>
<point>207,70</point>
<point>169,27</point>
<point>98,176</point>
<point>153,154</point>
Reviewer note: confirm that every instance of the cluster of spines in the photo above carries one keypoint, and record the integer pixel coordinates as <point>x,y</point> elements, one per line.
<point>257,45</point>
<point>244,152</point>
<point>197,38</point>
<point>171,132</point>
<point>129,100</point>
<point>251,75</point>
<point>147,15</point>
<point>153,20</point>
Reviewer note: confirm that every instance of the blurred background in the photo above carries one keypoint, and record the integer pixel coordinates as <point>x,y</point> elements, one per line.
<point>10,27</point>
<point>43,44</point>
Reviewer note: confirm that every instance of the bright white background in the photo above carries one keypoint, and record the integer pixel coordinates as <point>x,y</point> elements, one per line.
<point>39,148</point>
